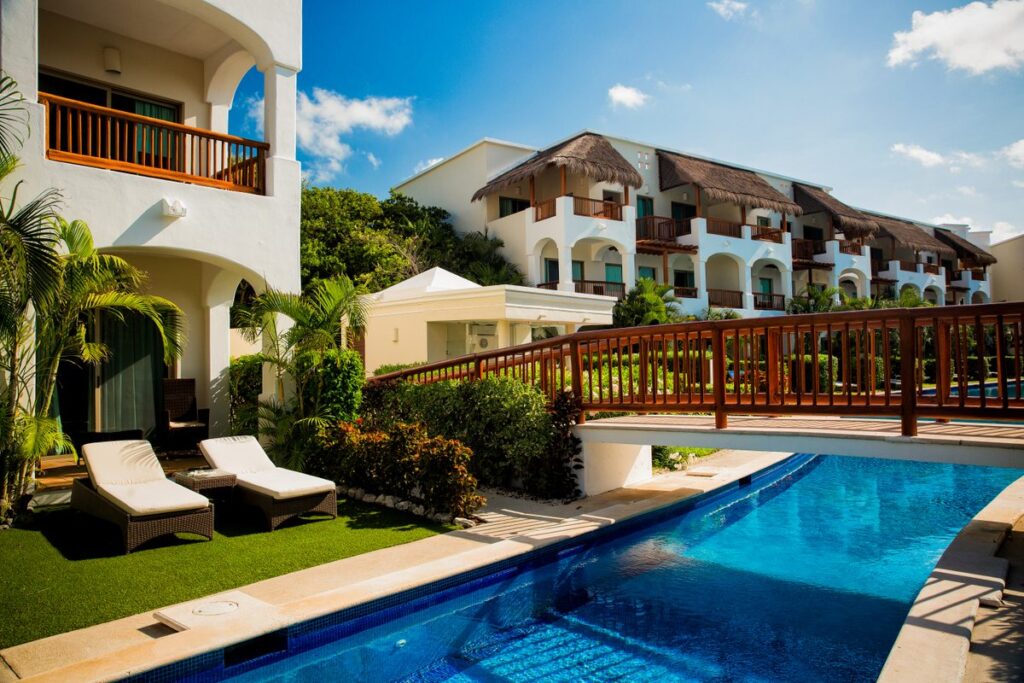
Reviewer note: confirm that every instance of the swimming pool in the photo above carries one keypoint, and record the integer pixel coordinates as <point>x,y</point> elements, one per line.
<point>806,574</point>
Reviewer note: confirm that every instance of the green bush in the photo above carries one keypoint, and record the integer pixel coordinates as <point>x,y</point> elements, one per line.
<point>555,474</point>
<point>394,367</point>
<point>245,380</point>
<point>824,379</point>
<point>343,377</point>
<point>404,461</point>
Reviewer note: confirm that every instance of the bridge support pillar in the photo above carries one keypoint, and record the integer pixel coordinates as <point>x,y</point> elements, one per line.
<point>608,466</point>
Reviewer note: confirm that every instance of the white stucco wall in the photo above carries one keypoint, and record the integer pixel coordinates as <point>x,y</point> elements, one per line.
<point>1005,275</point>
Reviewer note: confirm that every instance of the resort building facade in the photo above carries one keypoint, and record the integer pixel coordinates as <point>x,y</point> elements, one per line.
<point>129,102</point>
<point>593,213</point>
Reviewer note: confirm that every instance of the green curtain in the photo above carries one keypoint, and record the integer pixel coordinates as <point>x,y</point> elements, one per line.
<point>130,379</point>
<point>145,135</point>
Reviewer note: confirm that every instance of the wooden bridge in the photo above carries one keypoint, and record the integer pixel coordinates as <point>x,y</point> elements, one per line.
<point>854,383</point>
<point>938,362</point>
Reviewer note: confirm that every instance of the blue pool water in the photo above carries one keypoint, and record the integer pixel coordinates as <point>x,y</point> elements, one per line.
<point>803,576</point>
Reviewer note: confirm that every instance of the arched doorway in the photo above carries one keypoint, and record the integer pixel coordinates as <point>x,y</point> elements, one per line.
<point>725,285</point>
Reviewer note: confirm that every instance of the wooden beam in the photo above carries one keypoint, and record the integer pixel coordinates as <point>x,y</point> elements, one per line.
<point>782,224</point>
<point>625,194</point>
<point>743,215</point>
<point>696,193</point>
<point>664,266</point>
<point>532,192</point>
<point>563,181</point>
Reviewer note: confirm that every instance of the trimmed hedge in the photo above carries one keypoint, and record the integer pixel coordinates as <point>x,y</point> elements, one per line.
<point>245,380</point>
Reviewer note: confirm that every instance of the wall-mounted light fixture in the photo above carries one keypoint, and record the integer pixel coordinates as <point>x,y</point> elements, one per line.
<point>394,336</point>
<point>173,208</point>
<point>112,60</point>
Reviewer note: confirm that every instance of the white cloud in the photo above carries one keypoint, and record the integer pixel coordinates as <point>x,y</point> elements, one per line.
<point>1019,183</point>
<point>324,117</point>
<point>1014,154</point>
<point>673,87</point>
<point>955,220</point>
<point>1004,231</point>
<point>729,9</point>
<point>977,38</point>
<point>424,165</point>
<point>925,157</point>
<point>625,96</point>
<point>968,191</point>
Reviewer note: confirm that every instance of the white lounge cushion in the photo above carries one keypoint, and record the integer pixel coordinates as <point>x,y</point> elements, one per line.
<point>282,484</point>
<point>128,474</point>
<point>153,497</point>
<point>236,454</point>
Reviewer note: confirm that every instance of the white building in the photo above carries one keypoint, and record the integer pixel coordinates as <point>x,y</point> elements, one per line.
<point>438,315</point>
<point>593,213</point>
<point>129,103</point>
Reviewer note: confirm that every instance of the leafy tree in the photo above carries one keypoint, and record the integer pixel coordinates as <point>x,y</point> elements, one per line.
<point>648,303</point>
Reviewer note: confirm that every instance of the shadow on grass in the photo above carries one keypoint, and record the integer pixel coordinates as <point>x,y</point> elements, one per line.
<point>77,536</point>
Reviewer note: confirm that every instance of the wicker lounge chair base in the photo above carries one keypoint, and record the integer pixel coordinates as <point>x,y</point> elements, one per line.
<point>277,512</point>
<point>137,530</point>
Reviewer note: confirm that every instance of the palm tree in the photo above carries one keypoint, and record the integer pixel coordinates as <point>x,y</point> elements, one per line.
<point>315,325</point>
<point>28,274</point>
<point>90,283</point>
<point>648,303</point>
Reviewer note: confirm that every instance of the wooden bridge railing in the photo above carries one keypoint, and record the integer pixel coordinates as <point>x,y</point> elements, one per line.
<point>91,135</point>
<point>945,362</point>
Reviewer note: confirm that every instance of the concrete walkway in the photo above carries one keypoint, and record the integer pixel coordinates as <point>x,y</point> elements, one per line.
<point>514,526</point>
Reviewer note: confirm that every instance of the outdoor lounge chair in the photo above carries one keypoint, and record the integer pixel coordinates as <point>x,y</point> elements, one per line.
<point>280,493</point>
<point>182,423</point>
<point>127,486</point>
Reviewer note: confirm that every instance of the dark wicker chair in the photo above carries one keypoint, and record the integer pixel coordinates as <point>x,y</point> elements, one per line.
<point>182,423</point>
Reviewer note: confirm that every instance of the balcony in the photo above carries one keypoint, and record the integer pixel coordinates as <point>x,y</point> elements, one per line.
<point>91,135</point>
<point>766,233</point>
<point>725,298</point>
<point>978,275</point>
<point>806,250</point>
<point>596,287</point>
<point>596,208</point>
<point>660,229</point>
<point>769,302</point>
<point>850,248</point>
<point>717,226</point>
<point>685,292</point>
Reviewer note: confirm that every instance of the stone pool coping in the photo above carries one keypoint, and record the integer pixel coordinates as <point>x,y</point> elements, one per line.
<point>933,644</point>
<point>137,644</point>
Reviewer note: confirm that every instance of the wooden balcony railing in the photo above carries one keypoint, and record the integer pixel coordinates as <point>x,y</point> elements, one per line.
<point>685,292</point>
<point>90,135</point>
<point>848,247</point>
<point>716,226</point>
<point>544,210</point>
<point>769,302</point>
<point>806,249</point>
<point>548,285</point>
<point>901,363</point>
<point>931,268</point>
<point>596,208</point>
<point>978,275</point>
<point>660,229</point>
<point>908,266</point>
<point>766,233</point>
<point>601,288</point>
<point>725,298</point>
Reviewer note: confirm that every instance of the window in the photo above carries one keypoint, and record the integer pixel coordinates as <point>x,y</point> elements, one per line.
<point>644,206</point>
<point>612,272</point>
<point>551,270</point>
<point>682,211</point>
<point>510,205</point>
<point>766,285</point>
<point>813,233</point>
<point>876,254</point>
<point>610,196</point>
<point>764,221</point>
<point>683,278</point>
<point>648,272</point>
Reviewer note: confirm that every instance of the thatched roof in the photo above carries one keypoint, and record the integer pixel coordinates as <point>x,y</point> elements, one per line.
<point>853,223</point>
<point>909,235</point>
<point>969,252</point>
<point>722,183</point>
<point>586,154</point>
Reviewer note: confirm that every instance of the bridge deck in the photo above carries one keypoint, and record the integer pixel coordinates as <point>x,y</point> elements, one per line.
<point>977,443</point>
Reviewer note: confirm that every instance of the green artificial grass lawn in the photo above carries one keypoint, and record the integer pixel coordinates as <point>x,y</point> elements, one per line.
<point>62,570</point>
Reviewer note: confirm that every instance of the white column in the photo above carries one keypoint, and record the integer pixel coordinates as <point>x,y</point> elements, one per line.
<point>565,282</point>
<point>219,113</point>
<point>218,363</point>
<point>279,93</point>
<point>833,281</point>
<point>747,284</point>
<point>534,273</point>
<point>700,267</point>
<point>629,269</point>
<point>19,31</point>
<point>787,283</point>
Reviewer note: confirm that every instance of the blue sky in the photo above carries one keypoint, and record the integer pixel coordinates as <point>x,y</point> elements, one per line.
<point>913,108</point>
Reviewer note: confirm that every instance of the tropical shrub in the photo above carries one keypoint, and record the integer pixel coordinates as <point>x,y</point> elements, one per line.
<point>394,367</point>
<point>340,384</point>
<point>245,381</point>
<point>648,303</point>
<point>555,475</point>
<point>403,461</point>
